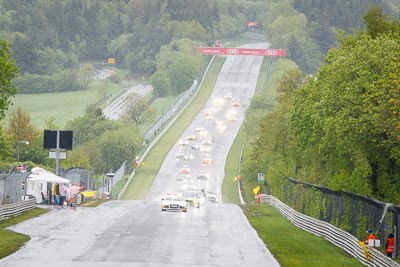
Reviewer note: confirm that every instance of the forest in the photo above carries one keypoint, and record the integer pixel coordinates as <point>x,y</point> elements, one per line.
<point>52,39</point>
<point>335,120</point>
<point>339,128</point>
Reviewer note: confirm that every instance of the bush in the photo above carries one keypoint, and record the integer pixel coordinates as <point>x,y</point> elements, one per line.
<point>61,82</point>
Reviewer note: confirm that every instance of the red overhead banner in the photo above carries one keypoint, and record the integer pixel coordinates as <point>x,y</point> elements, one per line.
<point>234,51</point>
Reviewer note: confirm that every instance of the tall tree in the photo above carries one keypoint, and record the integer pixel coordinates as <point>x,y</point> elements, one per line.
<point>119,145</point>
<point>6,147</point>
<point>20,127</point>
<point>138,110</point>
<point>160,83</point>
<point>350,112</point>
<point>8,71</point>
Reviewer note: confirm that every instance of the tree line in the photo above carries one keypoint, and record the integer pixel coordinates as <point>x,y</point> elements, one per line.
<point>52,38</point>
<point>340,127</point>
<point>48,40</point>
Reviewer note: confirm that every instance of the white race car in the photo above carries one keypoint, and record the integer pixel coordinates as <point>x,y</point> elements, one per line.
<point>195,197</point>
<point>173,203</point>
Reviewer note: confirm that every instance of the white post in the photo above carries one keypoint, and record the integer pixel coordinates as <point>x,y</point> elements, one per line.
<point>58,152</point>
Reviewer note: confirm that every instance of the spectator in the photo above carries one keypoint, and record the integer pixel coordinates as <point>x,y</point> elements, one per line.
<point>63,194</point>
<point>371,238</point>
<point>390,245</point>
<point>74,191</point>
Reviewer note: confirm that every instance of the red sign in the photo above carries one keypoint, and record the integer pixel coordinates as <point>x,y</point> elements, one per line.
<point>20,168</point>
<point>234,51</point>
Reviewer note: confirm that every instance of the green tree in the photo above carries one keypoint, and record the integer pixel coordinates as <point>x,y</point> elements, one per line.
<point>161,84</point>
<point>274,149</point>
<point>138,110</point>
<point>37,154</point>
<point>8,71</point>
<point>20,127</point>
<point>377,23</point>
<point>181,74</point>
<point>350,113</point>
<point>6,147</point>
<point>189,29</point>
<point>24,54</point>
<point>85,156</point>
<point>50,123</point>
<point>89,126</point>
<point>77,158</point>
<point>119,145</point>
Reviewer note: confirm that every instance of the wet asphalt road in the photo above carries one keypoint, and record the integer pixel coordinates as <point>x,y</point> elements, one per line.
<point>137,233</point>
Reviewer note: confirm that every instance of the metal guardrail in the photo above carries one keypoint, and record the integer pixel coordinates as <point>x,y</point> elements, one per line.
<point>9,210</point>
<point>334,235</point>
<point>171,112</point>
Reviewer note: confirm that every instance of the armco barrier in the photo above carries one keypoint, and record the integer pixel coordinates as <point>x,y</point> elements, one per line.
<point>335,235</point>
<point>9,210</point>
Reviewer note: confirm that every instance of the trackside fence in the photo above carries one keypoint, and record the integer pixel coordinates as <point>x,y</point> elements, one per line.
<point>178,106</point>
<point>335,235</point>
<point>348,211</point>
<point>171,112</point>
<point>9,210</point>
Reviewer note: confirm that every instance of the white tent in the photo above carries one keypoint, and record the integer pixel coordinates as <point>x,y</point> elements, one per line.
<point>37,182</point>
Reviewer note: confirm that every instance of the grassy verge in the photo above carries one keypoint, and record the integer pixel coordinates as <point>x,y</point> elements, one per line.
<point>144,177</point>
<point>292,246</point>
<point>10,241</point>
<point>229,184</point>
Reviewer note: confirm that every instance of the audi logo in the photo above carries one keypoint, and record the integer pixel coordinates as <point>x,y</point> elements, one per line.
<point>271,52</point>
<point>232,51</point>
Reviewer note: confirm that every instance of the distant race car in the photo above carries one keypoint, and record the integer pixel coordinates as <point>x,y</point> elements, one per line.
<point>185,169</point>
<point>205,149</point>
<point>228,96</point>
<point>231,115</point>
<point>208,161</point>
<point>211,196</point>
<point>203,175</point>
<point>184,178</point>
<point>196,146</point>
<point>207,142</point>
<point>195,197</point>
<point>180,155</point>
<point>191,137</point>
<point>235,103</point>
<point>173,203</point>
<point>188,156</point>
<point>183,143</point>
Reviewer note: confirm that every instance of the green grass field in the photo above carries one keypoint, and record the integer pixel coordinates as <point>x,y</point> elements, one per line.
<point>63,106</point>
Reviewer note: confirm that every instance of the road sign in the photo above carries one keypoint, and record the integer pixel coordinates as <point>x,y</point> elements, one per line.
<point>61,155</point>
<point>111,60</point>
<point>260,176</point>
<point>236,51</point>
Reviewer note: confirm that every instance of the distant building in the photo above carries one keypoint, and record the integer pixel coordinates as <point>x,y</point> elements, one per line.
<point>251,26</point>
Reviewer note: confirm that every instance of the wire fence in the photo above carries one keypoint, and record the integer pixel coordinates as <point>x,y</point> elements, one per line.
<point>350,212</point>
<point>12,187</point>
